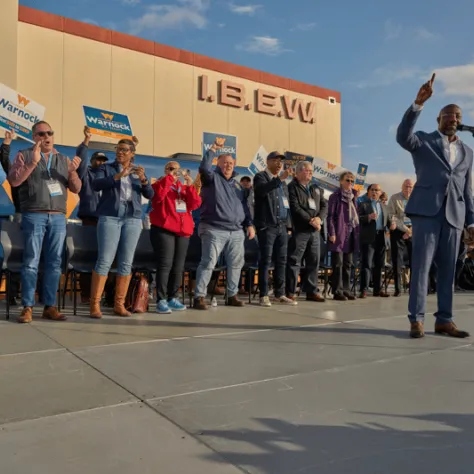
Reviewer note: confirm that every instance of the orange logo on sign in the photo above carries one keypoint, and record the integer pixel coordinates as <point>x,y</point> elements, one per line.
<point>23,100</point>
<point>107,116</point>
<point>331,166</point>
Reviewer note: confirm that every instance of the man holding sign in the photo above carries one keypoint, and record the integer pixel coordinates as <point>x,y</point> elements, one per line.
<point>439,207</point>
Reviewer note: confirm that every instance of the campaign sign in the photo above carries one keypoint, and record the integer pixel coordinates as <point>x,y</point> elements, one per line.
<point>259,162</point>
<point>18,112</point>
<point>326,174</point>
<point>107,124</point>
<point>229,148</point>
<point>360,177</point>
<point>292,159</point>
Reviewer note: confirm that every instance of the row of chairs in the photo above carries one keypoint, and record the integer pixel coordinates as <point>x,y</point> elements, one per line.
<point>81,253</point>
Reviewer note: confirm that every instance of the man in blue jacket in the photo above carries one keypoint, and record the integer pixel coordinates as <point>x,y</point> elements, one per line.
<point>88,200</point>
<point>224,216</point>
<point>439,207</point>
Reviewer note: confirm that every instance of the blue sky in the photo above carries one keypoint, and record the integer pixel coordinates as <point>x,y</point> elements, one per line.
<point>376,53</point>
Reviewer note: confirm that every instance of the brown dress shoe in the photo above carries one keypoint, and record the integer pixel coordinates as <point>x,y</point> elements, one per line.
<point>234,301</point>
<point>26,315</point>
<point>382,294</point>
<point>200,303</point>
<point>315,297</point>
<point>339,297</point>
<point>417,331</point>
<point>450,329</point>
<point>51,312</point>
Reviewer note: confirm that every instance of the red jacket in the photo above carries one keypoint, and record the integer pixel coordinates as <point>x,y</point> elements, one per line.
<point>163,213</point>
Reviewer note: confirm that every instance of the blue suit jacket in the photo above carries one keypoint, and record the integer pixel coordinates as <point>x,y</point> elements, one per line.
<point>435,179</point>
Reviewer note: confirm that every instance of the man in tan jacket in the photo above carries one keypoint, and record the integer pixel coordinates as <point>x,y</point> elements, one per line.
<point>400,238</point>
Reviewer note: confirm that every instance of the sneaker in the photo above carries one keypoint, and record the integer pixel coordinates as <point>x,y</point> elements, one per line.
<point>176,305</point>
<point>286,300</point>
<point>265,301</point>
<point>162,307</point>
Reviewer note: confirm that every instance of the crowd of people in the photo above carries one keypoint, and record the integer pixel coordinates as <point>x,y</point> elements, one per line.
<point>283,208</point>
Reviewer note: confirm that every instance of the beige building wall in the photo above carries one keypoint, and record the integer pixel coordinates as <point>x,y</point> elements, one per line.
<point>9,42</point>
<point>161,98</point>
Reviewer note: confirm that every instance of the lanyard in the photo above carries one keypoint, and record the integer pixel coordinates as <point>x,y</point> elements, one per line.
<point>48,163</point>
<point>178,190</point>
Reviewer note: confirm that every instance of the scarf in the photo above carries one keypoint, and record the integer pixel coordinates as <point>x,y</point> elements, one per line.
<point>347,196</point>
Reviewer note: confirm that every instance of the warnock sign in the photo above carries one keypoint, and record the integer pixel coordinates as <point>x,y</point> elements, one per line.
<point>234,94</point>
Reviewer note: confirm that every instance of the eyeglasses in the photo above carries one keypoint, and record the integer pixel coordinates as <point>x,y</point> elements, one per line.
<point>452,115</point>
<point>122,150</point>
<point>49,133</point>
<point>376,190</point>
<point>349,180</point>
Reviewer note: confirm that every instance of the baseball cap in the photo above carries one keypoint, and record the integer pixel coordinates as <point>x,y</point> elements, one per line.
<point>98,155</point>
<point>275,154</point>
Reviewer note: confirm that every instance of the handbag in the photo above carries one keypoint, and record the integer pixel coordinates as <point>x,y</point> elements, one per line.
<point>137,296</point>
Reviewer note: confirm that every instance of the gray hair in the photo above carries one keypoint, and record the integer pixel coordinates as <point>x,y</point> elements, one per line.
<point>301,165</point>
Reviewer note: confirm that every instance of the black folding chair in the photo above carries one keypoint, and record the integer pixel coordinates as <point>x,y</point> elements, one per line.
<point>80,256</point>
<point>252,255</point>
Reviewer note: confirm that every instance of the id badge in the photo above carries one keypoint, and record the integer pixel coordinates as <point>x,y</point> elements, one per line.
<point>286,204</point>
<point>312,204</point>
<point>407,221</point>
<point>54,189</point>
<point>180,206</point>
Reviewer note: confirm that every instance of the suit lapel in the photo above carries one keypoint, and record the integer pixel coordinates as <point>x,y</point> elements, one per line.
<point>465,151</point>
<point>440,147</point>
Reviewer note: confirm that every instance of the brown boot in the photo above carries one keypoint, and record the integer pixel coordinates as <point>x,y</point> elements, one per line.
<point>200,303</point>
<point>121,288</point>
<point>234,301</point>
<point>416,330</point>
<point>51,312</point>
<point>26,315</point>
<point>97,288</point>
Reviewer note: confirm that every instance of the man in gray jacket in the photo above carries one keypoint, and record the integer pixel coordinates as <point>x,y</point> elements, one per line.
<point>439,207</point>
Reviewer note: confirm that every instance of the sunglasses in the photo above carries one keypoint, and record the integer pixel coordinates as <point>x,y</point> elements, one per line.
<point>349,180</point>
<point>49,133</point>
<point>172,168</point>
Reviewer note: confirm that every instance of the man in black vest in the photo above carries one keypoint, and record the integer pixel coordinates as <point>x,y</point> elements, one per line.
<point>308,211</point>
<point>273,223</point>
<point>43,177</point>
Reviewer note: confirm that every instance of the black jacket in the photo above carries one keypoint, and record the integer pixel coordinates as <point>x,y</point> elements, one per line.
<point>301,213</point>
<point>368,229</point>
<point>267,201</point>
<point>6,165</point>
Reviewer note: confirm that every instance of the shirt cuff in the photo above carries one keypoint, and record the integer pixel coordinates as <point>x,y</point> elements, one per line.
<point>416,107</point>
<point>470,226</point>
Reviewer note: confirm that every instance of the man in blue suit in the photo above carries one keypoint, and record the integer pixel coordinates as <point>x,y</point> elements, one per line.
<point>439,207</point>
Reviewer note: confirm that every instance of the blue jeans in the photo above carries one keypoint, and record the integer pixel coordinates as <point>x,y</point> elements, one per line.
<point>45,233</point>
<point>213,242</point>
<point>117,236</point>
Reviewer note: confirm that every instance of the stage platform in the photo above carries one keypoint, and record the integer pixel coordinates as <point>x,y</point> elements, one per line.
<point>332,388</point>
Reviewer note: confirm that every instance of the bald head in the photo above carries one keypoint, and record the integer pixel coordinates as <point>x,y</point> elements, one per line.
<point>407,188</point>
<point>449,118</point>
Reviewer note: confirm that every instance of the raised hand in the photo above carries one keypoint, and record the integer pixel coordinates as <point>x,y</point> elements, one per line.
<point>37,153</point>
<point>140,172</point>
<point>286,173</point>
<point>135,140</point>
<point>87,135</point>
<point>74,164</point>
<point>9,136</point>
<point>425,92</point>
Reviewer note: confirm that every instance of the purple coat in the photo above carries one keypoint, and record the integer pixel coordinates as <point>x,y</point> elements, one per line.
<point>338,225</point>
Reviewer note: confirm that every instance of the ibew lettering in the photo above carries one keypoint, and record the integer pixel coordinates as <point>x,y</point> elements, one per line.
<point>18,111</point>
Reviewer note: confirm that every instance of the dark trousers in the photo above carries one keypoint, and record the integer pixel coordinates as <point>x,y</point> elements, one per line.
<point>86,278</point>
<point>341,272</point>
<point>372,261</point>
<point>305,244</point>
<point>272,241</point>
<point>460,261</point>
<point>170,252</point>
<point>398,245</point>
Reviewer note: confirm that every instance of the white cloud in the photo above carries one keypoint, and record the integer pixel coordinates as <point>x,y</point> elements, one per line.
<point>390,182</point>
<point>172,16</point>
<point>244,9</point>
<point>421,33</point>
<point>90,21</point>
<point>353,146</point>
<point>457,82</point>
<point>392,30</point>
<point>387,75</point>
<point>264,45</point>
<point>304,27</point>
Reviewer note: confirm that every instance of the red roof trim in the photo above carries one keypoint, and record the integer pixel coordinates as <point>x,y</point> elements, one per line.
<point>103,35</point>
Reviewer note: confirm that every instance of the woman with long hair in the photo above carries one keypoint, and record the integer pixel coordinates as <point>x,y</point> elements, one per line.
<point>343,235</point>
<point>122,185</point>
<point>171,227</point>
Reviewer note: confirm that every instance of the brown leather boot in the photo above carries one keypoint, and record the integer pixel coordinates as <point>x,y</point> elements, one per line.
<point>97,288</point>
<point>121,288</point>
<point>51,312</point>
<point>416,330</point>
<point>234,301</point>
<point>26,315</point>
<point>200,303</point>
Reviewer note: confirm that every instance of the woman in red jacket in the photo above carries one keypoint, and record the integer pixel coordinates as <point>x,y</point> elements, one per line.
<point>171,226</point>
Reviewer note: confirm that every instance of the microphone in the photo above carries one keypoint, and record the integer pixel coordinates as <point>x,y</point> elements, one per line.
<point>465,128</point>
